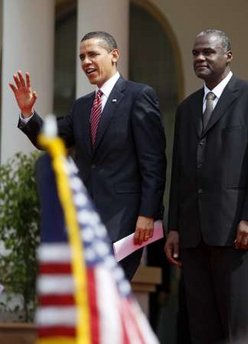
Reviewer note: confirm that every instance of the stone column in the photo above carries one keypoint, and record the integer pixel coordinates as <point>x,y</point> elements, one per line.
<point>108,15</point>
<point>28,44</point>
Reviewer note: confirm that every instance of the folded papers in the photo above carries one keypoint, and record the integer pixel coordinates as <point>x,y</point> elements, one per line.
<point>125,246</point>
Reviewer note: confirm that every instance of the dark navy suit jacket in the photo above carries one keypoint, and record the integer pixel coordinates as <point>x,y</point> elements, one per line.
<point>125,172</point>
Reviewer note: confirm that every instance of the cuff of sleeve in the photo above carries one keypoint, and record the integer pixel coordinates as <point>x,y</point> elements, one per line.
<point>25,120</point>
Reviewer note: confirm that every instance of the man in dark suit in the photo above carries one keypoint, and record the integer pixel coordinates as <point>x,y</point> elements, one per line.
<point>123,163</point>
<point>208,212</point>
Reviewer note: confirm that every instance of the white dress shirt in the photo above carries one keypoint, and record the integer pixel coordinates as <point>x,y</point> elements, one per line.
<point>107,88</point>
<point>217,90</point>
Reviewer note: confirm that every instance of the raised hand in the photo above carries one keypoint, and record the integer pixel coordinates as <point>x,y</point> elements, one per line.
<point>23,92</point>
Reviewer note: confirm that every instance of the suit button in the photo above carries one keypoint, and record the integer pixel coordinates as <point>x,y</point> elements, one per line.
<point>202,142</point>
<point>93,166</point>
<point>200,191</point>
<point>199,165</point>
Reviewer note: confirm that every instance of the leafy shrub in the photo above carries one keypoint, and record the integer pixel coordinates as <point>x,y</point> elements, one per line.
<point>19,232</point>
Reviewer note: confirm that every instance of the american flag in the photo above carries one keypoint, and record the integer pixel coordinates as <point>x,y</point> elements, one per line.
<point>92,302</point>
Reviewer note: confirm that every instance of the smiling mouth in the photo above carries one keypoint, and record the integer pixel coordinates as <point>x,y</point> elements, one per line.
<point>90,71</point>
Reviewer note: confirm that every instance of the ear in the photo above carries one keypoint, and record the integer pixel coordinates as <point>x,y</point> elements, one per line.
<point>115,55</point>
<point>229,56</point>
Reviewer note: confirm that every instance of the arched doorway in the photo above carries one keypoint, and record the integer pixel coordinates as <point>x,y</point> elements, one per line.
<point>154,59</point>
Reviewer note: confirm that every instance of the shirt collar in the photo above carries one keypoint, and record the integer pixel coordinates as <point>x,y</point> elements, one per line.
<point>109,84</point>
<point>219,88</point>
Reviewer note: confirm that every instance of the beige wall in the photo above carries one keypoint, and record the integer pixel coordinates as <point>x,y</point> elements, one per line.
<point>188,17</point>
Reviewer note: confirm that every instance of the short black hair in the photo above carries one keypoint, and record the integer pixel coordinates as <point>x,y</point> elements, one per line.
<point>226,44</point>
<point>109,43</point>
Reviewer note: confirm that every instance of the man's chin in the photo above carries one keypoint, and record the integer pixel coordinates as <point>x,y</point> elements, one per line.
<point>201,74</point>
<point>92,81</point>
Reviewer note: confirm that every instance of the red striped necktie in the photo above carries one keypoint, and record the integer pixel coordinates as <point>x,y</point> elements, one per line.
<point>95,116</point>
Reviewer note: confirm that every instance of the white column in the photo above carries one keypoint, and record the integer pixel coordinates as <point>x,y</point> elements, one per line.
<point>98,15</point>
<point>28,44</point>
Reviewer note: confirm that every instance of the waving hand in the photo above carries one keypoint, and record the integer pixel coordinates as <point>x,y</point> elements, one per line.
<point>23,92</point>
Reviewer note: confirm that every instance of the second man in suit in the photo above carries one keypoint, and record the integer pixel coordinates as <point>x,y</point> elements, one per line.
<point>122,158</point>
<point>208,212</point>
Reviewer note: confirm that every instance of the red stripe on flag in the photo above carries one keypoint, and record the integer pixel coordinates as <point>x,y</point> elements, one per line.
<point>125,333</point>
<point>94,315</point>
<point>58,300</point>
<point>128,308</point>
<point>125,339</point>
<point>51,268</point>
<point>55,331</point>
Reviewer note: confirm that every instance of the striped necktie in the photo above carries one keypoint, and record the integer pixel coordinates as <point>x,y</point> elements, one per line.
<point>95,116</point>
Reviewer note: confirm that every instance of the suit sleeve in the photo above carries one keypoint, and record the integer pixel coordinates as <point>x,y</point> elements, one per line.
<point>173,214</point>
<point>150,144</point>
<point>33,127</point>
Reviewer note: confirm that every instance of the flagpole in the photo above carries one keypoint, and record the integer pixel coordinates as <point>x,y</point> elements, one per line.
<point>55,146</point>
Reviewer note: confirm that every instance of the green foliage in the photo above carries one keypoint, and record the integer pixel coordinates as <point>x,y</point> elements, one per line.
<point>19,231</point>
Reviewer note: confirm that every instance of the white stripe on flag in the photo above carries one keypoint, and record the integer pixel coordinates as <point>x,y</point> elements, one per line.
<point>55,284</point>
<point>110,323</point>
<point>131,324</point>
<point>52,316</point>
<point>141,321</point>
<point>54,253</point>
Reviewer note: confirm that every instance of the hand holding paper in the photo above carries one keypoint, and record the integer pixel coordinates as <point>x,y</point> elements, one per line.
<point>126,246</point>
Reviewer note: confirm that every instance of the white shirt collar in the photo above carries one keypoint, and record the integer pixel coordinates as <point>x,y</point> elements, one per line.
<point>109,84</point>
<point>219,88</point>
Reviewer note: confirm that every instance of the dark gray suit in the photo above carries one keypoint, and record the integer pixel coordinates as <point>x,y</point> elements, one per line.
<point>208,199</point>
<point>125,172</point>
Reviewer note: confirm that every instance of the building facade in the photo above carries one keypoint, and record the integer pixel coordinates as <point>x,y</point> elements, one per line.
<point>155,38</point>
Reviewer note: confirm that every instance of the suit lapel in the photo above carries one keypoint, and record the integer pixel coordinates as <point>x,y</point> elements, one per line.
<point>229,94</point>
<point>86,110</point>
<point>110,109</point>
<point>197,111</point>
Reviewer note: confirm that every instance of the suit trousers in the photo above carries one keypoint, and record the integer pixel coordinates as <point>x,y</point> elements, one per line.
<point>216,285</point>
<point>131,263</point>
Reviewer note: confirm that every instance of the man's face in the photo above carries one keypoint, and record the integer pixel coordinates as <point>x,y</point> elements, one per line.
<point>98,63</point>
<point>210,60</point>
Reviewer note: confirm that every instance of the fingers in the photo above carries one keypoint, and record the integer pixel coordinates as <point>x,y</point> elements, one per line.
<point>143,230</point>
<point>244,244</point>
<point>172,253</point>
<point>241,242</point>
<point>171,248</point>
<point>34,96</point>
<point>174,261</point>
<point>17,81</point>
<point>12,86</point>
<point>27,79</point>
<point>142,235</point>
<point>20,81</point>
<point>173,258</point>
